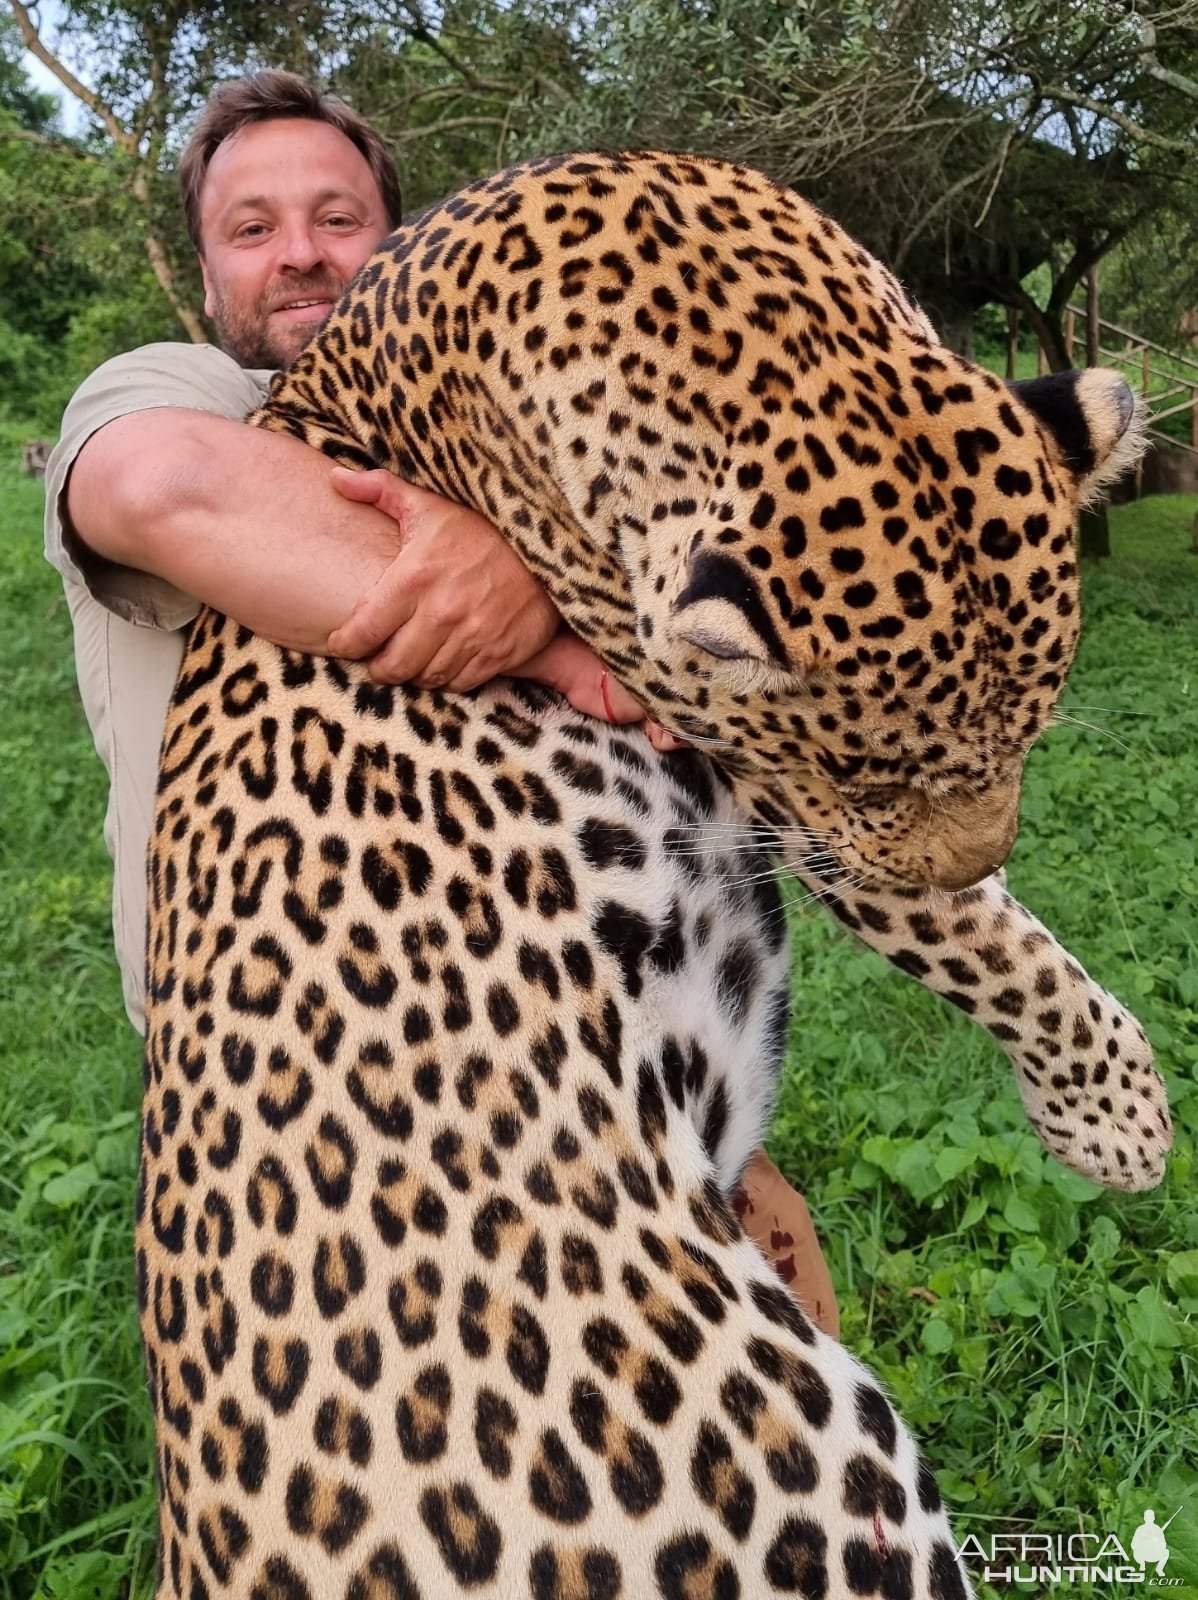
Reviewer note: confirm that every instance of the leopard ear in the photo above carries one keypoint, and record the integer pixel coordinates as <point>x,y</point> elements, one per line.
<point>721,612</point>
<point>1094,419</point>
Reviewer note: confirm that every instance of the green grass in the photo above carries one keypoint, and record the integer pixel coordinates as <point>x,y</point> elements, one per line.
<point>1039,1336</point>
<point>76,1498</point>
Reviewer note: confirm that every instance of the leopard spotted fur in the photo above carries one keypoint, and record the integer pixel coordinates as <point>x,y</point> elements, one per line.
<point>465,1012</point>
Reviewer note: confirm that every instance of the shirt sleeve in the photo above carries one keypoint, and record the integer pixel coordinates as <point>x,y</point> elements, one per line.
<point>194,376</point>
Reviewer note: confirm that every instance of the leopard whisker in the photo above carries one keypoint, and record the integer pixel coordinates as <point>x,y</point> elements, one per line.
<point>754,827</point>
<point>762,840</point>
<point>1064,719</point>
<point>699,739</point>
<point>768,838</point>
<point>748,879</point>
<point>829,894</point>
<point>823,896</point>
<point>779,869</point>
<point>715,850</point>
<point>1109,711</point>
<point>817,863</point>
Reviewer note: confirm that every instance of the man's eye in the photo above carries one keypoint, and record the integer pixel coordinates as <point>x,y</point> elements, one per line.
<point>252,230</point>
<point>340,222</point>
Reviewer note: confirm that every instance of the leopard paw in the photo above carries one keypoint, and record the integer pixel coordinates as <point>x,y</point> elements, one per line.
<point>1088,1084</point>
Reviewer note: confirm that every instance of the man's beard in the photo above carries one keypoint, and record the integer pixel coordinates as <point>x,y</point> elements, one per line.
<point>254,338</point>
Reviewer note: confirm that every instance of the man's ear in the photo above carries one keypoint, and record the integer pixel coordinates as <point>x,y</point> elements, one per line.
<point>207,286</point>
<point>1093,417</point>
<point>721,612</point>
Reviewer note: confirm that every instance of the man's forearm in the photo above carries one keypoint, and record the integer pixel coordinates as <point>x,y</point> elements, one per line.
<point>244,520</point>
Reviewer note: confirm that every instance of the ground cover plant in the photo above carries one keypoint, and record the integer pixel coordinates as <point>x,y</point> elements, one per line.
<point>1039,1335</point>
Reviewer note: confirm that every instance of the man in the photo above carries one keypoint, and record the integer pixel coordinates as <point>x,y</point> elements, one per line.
<point>159,498</point>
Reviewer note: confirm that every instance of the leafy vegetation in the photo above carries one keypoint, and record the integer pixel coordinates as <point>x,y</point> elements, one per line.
<point>967,144</point>
<point>1039,1335</point>
<point>74,1428</point>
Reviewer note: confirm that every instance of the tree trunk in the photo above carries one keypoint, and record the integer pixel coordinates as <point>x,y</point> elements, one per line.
<point>1094,529</point>
<point>1092,316</point>
<point>1012,341</point>
<point>128,141</point>
<point>160,263</point>
<point>1056,346</point>
<point>1049,328</point>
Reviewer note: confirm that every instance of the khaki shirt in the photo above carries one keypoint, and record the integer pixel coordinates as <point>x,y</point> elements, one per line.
<point>128,625</point>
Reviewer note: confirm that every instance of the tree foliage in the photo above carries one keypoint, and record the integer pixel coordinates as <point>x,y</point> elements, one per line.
<point>967,141</point>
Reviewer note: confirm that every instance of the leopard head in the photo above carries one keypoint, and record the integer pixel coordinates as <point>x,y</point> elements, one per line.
<point>877,614</point>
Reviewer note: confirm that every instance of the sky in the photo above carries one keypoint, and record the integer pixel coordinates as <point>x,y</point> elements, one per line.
<point>43,78</point>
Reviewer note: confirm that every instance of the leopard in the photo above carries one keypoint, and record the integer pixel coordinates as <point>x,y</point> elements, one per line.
<point>466,1011</point>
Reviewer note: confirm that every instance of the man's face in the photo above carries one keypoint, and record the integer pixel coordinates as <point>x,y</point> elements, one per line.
<point>289,211</point>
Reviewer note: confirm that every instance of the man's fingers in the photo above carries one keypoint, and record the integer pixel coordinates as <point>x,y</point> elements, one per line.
<point>364,487</point>
<point>661,739</point>
<point>573,669</point>
<point>380,613</point>
<point>450,667</point>
<point>408,654</point>
<point>402,502</point>
<point>618,704</point>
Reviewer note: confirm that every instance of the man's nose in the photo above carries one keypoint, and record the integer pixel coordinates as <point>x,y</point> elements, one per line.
<point>300,250</point>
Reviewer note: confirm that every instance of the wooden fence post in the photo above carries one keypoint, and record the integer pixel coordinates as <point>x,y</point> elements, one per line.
<point>1012,340</point>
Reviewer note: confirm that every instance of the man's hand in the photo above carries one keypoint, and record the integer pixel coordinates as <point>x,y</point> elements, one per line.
<point>573,669</point>
<point>455,608</point>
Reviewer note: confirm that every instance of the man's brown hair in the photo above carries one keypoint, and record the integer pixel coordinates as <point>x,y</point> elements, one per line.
<point>264,97</point>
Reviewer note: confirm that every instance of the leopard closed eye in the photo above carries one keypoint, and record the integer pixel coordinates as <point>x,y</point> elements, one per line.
<point>465,1013</point>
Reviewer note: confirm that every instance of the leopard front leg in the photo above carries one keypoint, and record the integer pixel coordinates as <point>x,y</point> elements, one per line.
<point>1082,1062</point>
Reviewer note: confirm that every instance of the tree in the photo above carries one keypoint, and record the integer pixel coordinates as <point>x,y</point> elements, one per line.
<point>447,88</point>
<point>1104,139</point>
<point>966,141</point>
<point>136,124</point>
<point>456,89</point>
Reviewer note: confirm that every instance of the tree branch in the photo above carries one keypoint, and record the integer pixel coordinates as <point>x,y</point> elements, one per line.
<point>1000,166</point>
<point>1165,75</point>
<point>423,32</point>
<point>128,143</point>
<point>59,146</point>
<point>1089,253</point>
<point>1120,118</point>
<point>160,263</point>
<point>995,163</point>
<point>33,43</point>
<point>448,124</point>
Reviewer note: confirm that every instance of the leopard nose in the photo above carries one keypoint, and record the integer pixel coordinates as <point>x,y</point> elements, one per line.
<point>973,842</point>
<point>964,875</point>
